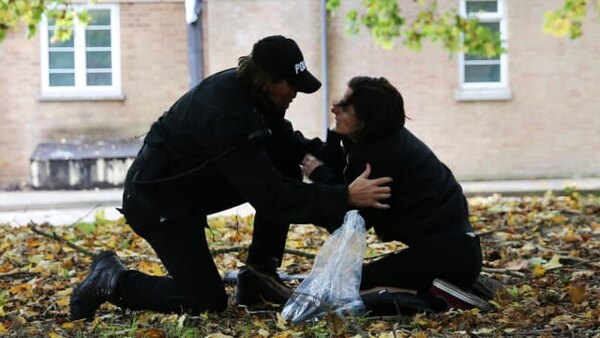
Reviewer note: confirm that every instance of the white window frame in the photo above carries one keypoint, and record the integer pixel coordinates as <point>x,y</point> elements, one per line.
<point>477,91</point>
<point>81,91</point>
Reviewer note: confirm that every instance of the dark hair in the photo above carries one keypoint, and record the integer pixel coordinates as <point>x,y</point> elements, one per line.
<point>378,104</point>
<point>253,77</point>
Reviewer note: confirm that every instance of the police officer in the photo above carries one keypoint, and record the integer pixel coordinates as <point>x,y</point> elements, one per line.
<point>223,143</point>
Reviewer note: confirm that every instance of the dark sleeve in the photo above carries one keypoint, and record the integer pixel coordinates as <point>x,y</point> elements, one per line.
<point>334,160</point>
<point>291,144</point>
<point>322,174</point>
<point>250,170</point>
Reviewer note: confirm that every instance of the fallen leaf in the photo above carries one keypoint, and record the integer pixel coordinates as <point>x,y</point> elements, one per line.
<point>553,263</point>
<point>539,271</point>
<point>63,302</point>
<point>281,323</point>
<point>150,333</point>
<point>151,268</point>
<point>577,292</point>
<point>218,335</point>
<point>571,236</point>
<point>22,289</point>
<point>581,274</point>
<point>517,265</point>
<point>68,325</point>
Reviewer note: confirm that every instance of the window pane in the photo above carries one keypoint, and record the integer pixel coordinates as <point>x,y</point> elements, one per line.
<point>62,80</point>
<point>99,17</point>
<point>99,79</point>
<point>68,43</point>
<point>493,26</point>
<point>98,60</point>
<point>482,73</point>
<point>97,38</point>
<point>482,6</point>
<point>61,60</point>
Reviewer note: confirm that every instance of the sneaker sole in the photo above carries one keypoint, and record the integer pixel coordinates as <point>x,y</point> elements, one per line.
<point>464,296</point>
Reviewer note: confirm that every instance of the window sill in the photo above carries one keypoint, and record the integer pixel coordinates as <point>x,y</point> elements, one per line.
<point>483,94</point>
<point>81,97</point>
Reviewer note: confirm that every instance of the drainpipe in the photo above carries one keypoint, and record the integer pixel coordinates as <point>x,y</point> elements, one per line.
<point>193,18</point>
<point>324,67</point>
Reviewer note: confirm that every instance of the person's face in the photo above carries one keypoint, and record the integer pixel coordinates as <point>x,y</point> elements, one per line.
<point>281,93</point>
<point>347,122</point>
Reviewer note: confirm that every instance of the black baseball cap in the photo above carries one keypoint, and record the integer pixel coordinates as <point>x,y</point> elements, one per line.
<point>282,58</point>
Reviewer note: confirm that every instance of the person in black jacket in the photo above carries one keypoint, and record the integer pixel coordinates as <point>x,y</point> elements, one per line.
<point>223,143</point>
<point>428,210</point>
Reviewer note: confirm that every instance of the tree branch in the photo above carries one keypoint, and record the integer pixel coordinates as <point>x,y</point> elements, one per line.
<point>245,247</point>
<point>54,236</point>
<point>18,274</point>
<point>503,271</point>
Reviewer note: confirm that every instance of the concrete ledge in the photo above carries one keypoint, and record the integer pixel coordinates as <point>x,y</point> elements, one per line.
<point>522,187</point>
<point>58,199</point>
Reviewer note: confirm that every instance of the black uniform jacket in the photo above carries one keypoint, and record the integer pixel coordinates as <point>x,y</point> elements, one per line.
<point>427,203</point>
<point>217,147</point>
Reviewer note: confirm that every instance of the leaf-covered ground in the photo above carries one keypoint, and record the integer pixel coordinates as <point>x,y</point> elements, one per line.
<point>544,249</point>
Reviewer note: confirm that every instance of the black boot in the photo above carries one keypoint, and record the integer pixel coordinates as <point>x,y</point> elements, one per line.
<point>99,286</point>
<point>257,285</point>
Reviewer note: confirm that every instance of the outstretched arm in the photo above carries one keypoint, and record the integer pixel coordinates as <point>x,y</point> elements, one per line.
<point>364,192</point>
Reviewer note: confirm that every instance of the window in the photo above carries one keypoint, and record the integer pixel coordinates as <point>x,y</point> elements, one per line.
<point>484,78</point>
<point>88,65</point>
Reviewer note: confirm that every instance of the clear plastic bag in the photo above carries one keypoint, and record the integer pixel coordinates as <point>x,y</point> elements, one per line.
<point>334,282</point>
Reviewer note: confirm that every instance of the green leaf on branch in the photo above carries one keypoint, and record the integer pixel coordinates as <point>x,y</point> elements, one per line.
<point>29,13</point>
<point>455,33</point>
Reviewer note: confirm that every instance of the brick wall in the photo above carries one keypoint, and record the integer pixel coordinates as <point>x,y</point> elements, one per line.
<point>550,128</point>
<point>154,74</point>
<point>232,27</point>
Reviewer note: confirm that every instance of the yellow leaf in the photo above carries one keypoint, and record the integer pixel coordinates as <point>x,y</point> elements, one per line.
<point>571,236</point>
<point>54,335</point>
<point>151,268</point>
<point>577,292</point>
<point>595,226</point>
<point>539,271</point>
<point>281,322</point>
<point>3,329</point>
<point>63,302</point>
<point>22,289</point>
<point>150,333</point>
<point>419,319</point>
<point>68,325</point>
<point>64,293</point>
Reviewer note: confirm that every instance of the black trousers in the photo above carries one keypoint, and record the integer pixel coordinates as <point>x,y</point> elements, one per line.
<point>457,260</point>
<point>193,283</point>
